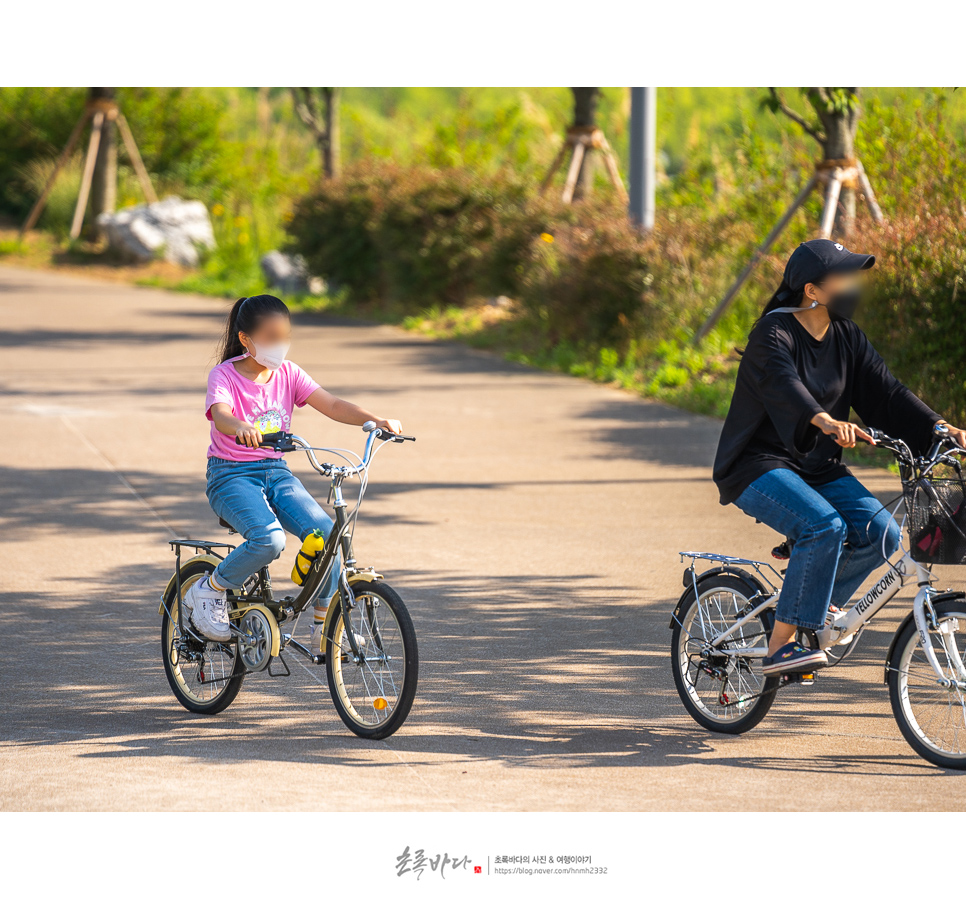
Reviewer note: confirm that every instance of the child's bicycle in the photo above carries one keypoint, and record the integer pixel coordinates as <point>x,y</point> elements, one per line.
<point>722,622</point>
<point>368,645</point>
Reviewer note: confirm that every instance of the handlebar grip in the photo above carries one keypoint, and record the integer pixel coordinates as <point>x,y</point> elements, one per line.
<point>275,440</point>
<point>384,435</point>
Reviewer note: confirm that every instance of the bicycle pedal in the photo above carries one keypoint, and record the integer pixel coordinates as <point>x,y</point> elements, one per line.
<point>806,680</point>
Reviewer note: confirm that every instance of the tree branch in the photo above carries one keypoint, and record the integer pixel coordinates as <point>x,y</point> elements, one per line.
<point>790,113</point>
<point>305,109</point>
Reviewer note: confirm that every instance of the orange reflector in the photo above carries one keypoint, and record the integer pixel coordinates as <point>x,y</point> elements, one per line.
<point>379,703</point>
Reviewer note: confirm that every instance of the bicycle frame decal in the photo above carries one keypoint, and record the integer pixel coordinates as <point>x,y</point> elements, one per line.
<point>867,606</point>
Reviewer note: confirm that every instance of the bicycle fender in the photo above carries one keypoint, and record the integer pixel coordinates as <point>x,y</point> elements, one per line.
<point>936,601</point>
<point>750,581</point>
<point>200,557</point>
<point>366,576</point>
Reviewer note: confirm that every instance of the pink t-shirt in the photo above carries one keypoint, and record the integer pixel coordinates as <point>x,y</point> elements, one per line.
<point>268,406</point>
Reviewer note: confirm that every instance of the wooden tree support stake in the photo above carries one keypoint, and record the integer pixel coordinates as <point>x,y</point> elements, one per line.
<point>832,193</point>
<point>834,175</point>
<point>573,173</point>
<point>98,112</point>
<point>578,143</point>
<point>36,210</point>
<point>718,311</point>
<point>85,187</point>
<point>132,151</point>
<point>866,188</point>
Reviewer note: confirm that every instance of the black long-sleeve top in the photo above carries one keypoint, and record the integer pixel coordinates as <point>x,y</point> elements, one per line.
<point>785,378</point>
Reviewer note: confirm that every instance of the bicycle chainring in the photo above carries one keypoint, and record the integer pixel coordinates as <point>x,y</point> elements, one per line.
<point>255,643</point>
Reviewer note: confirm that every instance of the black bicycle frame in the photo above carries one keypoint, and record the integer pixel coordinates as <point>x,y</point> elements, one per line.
<point>319,570</point>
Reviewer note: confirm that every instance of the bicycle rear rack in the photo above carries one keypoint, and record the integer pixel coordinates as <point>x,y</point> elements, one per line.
<point>199,545</point>
<point>726,560</point>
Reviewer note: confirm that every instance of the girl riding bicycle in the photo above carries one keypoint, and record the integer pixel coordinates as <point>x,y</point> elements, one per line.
<point>779,459</point>
<point>253,392</point>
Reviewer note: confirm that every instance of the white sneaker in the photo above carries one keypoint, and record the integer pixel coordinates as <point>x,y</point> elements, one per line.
<point>208,610</point>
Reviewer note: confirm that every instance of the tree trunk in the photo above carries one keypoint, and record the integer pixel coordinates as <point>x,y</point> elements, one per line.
<point>324,125</point>
<point>104,180</point>
<point>332,155</point>
<point>586,99</point>
<point>840,128</point>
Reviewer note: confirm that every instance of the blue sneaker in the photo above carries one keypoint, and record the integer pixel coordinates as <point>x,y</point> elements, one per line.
<point>794,659</point>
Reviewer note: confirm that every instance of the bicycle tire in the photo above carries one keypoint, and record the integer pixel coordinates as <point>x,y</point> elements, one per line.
<point>222,700</point>
<point>336,661</point>
<point>903,648</point>
<point>766,695</point>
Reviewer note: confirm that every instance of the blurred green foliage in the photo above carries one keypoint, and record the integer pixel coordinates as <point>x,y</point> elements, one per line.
<point>438,210</point>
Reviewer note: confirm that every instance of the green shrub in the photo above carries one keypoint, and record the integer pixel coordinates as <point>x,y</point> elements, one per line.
<point>335,227</point>
<point>917,303</point>
<point>589,281</point>
<point>421,235</point>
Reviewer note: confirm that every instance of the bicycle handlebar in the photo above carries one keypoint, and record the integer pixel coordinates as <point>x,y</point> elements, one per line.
<point>285,441</point>
<point>942,446</point>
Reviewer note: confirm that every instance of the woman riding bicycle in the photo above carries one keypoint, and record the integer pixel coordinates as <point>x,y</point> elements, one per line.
<point>779,459</point>
<point>253,392</point>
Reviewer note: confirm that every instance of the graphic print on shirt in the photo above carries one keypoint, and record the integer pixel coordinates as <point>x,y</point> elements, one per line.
<point>271,420</point>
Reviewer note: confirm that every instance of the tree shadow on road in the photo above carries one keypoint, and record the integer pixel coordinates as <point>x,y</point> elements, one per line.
<point>531,672</point>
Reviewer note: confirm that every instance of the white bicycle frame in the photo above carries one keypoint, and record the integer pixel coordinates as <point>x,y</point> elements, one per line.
<point>847,624</point>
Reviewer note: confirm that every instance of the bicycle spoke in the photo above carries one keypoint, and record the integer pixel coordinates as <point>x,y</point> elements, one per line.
<point>937,714</point>
<point>710,616</point>
<point>378,677</point>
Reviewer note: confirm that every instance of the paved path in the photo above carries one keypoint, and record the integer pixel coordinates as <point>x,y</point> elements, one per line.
<point>532,528</point>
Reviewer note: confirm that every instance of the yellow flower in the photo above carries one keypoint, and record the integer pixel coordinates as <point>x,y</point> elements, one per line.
<point>243,238</point>
<point>547,237</point>
<point>240,221</point>
<point>218,209</point>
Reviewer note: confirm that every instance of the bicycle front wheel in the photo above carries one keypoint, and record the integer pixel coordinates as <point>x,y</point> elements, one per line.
<point>931,717</point>
<point>373,691</point>
<point>722,692</point>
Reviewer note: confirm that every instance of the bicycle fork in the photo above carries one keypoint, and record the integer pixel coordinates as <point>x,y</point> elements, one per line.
<point>926,620</point>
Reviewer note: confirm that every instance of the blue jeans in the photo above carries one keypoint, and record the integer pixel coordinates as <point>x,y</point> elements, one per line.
<point>261,499</point>
<point>819,520</point>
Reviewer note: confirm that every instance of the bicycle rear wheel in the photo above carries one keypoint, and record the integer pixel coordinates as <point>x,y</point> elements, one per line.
<point>373,695</point>
<point>932,718</point>
<point>723,693</point>
<point>205,677</point>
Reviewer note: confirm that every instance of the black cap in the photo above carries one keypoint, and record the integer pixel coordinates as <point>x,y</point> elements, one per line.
<point>816,259</point>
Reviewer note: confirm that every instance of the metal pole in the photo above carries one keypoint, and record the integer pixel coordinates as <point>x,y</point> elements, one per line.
<point>643,155</point>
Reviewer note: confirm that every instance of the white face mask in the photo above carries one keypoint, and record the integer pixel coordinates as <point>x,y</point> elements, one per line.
<point>270,356</point>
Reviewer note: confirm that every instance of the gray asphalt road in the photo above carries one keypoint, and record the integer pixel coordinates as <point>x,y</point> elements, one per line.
<point>533,529</point>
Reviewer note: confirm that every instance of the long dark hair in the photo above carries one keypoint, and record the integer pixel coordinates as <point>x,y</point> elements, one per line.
<point>245,316</point>
<point>783,297</point>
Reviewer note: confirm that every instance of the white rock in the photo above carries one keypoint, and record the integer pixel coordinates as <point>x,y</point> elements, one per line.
<point>173,229</point>
<point>289,273</point>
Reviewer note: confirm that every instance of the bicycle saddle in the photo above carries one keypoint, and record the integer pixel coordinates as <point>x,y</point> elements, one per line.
<point>225,523</point>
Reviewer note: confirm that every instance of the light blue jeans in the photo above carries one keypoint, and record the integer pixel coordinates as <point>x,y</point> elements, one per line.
<point>841,534</point>
<point>261,499</point>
